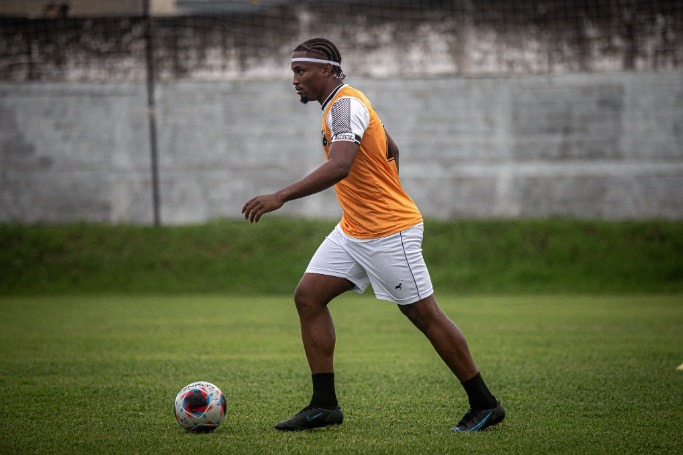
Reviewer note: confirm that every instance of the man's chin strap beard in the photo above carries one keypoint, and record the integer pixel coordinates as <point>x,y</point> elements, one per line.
<point>304,100</point>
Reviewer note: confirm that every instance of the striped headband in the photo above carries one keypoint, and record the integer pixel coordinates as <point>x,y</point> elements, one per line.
<point>315,60</point>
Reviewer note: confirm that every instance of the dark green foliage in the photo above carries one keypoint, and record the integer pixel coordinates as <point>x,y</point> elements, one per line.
<point>519,256</point>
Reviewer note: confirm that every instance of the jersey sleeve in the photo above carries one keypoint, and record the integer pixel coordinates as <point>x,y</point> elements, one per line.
<point>348,119</point>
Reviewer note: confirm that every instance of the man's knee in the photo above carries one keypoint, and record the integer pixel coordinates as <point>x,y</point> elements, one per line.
<point>308,296</point>
<point>423,313</point>
<point>316,291</point>
<point>303,297</point>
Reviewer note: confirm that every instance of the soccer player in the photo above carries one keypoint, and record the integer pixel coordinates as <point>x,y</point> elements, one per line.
<point>378,241</point>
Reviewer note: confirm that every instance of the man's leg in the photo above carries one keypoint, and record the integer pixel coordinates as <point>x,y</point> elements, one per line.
<point>311,297</point>
<point>444,335</point>
<point>450,344</point>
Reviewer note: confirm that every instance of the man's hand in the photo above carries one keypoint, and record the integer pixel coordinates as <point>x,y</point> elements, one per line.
<point>260,205</point>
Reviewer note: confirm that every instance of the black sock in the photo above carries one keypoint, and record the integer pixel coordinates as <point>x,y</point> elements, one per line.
<point>478,394</point>
<point>324,395</point>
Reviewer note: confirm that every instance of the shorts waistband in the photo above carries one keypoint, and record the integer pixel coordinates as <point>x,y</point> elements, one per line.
<point>353,239</point>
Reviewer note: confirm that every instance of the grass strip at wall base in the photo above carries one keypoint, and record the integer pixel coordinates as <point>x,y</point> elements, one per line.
<point>465,257</point>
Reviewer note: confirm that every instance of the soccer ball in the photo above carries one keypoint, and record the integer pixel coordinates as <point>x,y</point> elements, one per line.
<point>200,407</point>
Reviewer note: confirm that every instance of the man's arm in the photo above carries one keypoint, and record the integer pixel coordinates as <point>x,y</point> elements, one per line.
<point>342,154</point>
<point>393,148</point>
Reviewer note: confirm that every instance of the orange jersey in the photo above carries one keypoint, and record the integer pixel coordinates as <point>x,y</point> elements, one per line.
<point>372,199</point>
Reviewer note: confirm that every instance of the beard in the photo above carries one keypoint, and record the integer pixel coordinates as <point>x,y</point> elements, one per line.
<point>304,99</point>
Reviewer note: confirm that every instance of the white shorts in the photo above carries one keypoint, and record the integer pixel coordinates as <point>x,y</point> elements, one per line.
<point>393,265</point>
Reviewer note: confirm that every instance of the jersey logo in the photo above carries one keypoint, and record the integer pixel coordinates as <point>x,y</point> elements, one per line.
<point>322,133</point>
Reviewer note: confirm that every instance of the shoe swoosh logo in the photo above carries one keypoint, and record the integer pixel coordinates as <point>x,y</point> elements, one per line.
<point>483,421</point>
<point>311,418</point>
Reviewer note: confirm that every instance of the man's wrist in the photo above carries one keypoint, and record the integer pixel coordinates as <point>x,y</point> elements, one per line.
<point>283,195</point>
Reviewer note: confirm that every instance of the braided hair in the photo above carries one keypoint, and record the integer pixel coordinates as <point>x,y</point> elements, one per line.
<point>326,49</point>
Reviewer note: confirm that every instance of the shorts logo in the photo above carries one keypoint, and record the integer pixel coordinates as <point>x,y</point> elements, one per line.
<point>398,288</point>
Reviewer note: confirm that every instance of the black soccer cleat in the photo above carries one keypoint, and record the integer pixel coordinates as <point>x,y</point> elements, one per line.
<point>479,420</point>
<point>307,419</point>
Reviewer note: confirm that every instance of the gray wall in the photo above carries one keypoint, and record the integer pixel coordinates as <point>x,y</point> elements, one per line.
<point>604,145</point>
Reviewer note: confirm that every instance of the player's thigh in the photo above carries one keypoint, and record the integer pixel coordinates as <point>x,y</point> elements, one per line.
<point>333,259</point>
<point>316,289</point>
<point>396,267</point>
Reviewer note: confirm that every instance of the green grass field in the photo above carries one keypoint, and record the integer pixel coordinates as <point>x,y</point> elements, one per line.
<point>577,374</point>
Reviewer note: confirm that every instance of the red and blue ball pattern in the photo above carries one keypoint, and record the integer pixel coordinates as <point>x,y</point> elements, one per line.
<point>200,407</point>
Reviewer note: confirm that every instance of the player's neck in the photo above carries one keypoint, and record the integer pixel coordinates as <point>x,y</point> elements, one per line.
<point>331,87</point>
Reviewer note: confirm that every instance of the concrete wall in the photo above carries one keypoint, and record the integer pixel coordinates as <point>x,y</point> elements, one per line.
<point>604,145</point>
<point>85,8</point>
